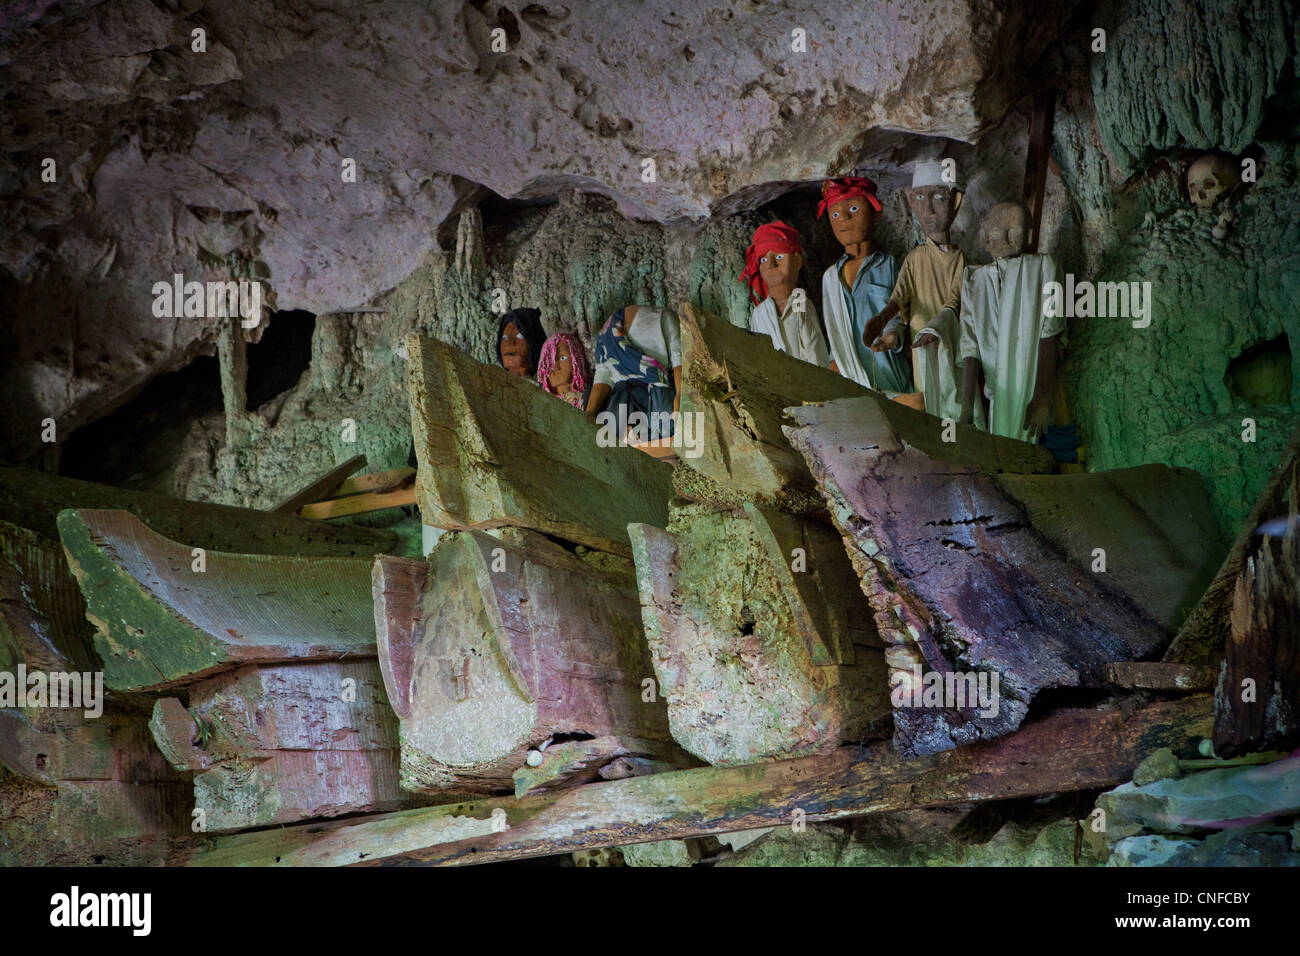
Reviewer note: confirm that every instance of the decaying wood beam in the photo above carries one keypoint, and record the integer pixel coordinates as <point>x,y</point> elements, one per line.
<point>1204,635</point>
<point>168,614</point>
<point>284,742</point>
<point>494,451</point>
<point>1064,752</point>
<point>974,599</point>
<point>761,639</point>
<point>359,504</point>
<point>1157,675</point>
<point>32,500</point>
<point>1258,701</point>
<point>321,487</point>
<point>495,647</point>
<point>741,387</point>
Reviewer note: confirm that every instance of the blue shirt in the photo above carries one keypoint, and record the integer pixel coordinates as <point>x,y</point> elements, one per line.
<point>872,286</point>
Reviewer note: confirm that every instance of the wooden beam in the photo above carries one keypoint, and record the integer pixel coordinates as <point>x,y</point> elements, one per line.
<point>1156,675</point>
<point>32,500</point>
<point>378,482</point>
<point>359,504</point>
<point>1037,160</point>
<point>321,487</point>
<point>1064,752</point>
<point>165,616</point>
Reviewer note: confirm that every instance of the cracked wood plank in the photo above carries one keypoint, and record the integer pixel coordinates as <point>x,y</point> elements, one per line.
<point>1063,752</point>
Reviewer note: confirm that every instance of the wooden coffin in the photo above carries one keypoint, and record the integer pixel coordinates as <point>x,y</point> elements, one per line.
<point>279,743</point>
<point>985,581</point>
<point>494,450</point>
<point>741,386</point>
<point>762,641</point>
<point>166,613</point>
<point>494,649</point>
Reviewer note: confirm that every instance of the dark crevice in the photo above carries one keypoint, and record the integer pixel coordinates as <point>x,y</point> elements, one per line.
<point>279,359</point>
<point>1261,375</point>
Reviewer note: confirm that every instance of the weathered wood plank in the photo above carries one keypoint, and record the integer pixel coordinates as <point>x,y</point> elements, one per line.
<point>962,584</point>
<point>285,742</point>
<point>33,499</point>
<point>495,451</point>
<point>164,616</point>
<point>1064,752</point>
<point>1204,635</point>
<point>742,386</point>
<point>761,639</point>
<point>1157,675</point>
<point>359,503</point>
<point>322,486</point>
<point>1258,701</point>
<point>496,647</point>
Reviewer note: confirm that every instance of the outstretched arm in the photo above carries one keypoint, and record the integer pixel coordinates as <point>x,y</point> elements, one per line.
<point>877,322</point>
<point>596,401</point>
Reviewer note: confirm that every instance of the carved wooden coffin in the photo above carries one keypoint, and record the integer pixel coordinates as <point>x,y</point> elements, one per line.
<point>494,451</point>
<point>496,651</point>
<point>989,586</point>
<point>762,641</point>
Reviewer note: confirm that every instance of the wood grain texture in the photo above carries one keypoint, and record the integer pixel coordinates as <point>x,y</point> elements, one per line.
<point>762,641</point>
<point>960,579</point>
<point>494,647</point>
<point>160,622</point>
<point>494,450</point>
<point>1064,752</point>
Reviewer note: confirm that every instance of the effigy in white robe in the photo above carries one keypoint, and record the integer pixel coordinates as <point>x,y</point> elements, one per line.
<point>927,293</point>
<point>796,332</point>
<point>847,314</point>
<point>1002,321</point>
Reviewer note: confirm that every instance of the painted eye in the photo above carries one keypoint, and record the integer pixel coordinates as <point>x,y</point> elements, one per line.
<point>835,215</point>
<point>564,358</point>
<point>780,256</point>
<point>854,208</point>
<point>762,260</point>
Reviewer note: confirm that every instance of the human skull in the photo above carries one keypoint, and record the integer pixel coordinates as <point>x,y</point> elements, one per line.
<point>1209,178</point>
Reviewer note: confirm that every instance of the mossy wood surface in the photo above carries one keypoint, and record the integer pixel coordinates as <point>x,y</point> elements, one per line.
<point>280,743</point>
<point>1066,751</point>
<point>499,646</point>
<point>494,450</point>
<point>758,660</point>
<point>742,387</point>
<point>960,579</point>
<point>161,622</point>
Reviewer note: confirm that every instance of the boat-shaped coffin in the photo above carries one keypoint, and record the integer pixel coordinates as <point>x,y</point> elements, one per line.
<point>991,586</point>
<point>512,665</point>
<point>494,450</point>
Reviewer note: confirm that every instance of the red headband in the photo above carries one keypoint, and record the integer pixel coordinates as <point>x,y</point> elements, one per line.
<point>769,237</point>
<point>834,190</point>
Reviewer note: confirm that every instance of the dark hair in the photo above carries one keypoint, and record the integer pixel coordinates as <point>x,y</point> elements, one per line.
<point>529,322</point>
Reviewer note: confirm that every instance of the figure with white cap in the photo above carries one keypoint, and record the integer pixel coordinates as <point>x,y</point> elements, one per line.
<point>857,287</point>
<point>927,294</point>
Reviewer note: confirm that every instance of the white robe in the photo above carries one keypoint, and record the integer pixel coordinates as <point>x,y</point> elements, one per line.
<point>890,367</point>
<point>795,333</point>
<point>1002,322</point>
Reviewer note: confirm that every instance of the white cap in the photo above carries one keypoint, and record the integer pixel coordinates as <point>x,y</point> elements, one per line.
<point>931,173</point>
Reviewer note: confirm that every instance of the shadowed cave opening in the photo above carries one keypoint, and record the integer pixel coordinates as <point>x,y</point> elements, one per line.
<point>142,440</point>
<point>1261,374</point>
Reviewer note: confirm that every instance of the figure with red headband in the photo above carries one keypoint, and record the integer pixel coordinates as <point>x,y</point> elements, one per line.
<point>857,287</point>
<point>782,311</point>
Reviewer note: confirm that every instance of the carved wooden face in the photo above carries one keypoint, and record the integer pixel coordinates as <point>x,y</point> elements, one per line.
<point>780,269</point>
<point>514,351</point>
<point>852,220</point>
<point>561,377</point>
<point>935,207</point>
<point>1005,229</point>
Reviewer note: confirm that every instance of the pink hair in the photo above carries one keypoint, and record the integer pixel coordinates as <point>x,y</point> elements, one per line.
<point>547,362</point>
